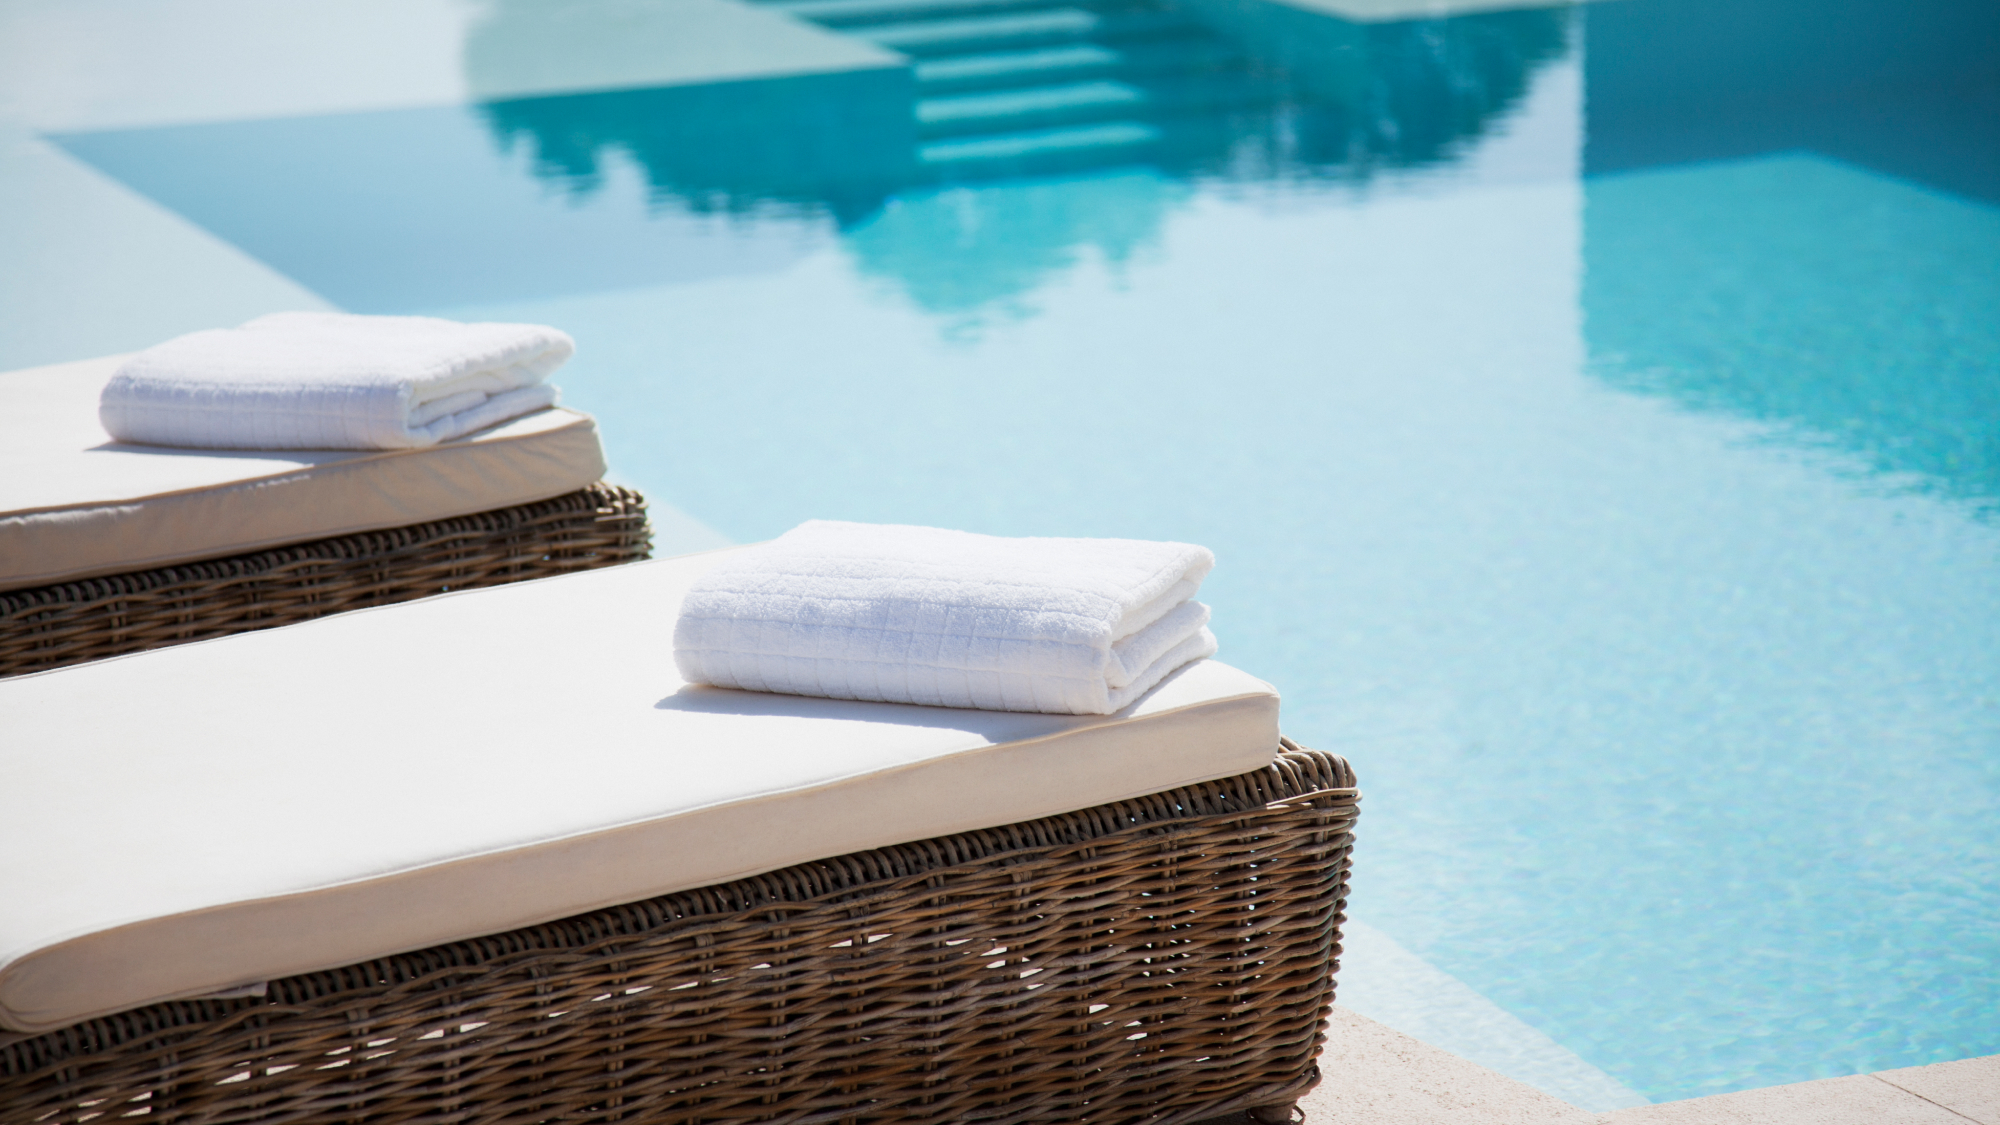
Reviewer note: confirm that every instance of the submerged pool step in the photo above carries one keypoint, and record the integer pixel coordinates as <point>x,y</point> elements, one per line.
<point>1047,106</point>
<point>1028,86</point>
<point>1103,142</point>
<point>965,73</point>
<point>1014,110</point>
<point>861,13</point>
<point>931,38</point>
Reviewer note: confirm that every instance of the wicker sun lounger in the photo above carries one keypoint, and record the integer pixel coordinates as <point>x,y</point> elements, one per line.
<point>107,615</point>
<point>107,549</point>
<point>688,905</point>
<point>1167,959</point>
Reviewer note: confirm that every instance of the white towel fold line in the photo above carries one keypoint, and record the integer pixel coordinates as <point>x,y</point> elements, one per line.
<point>1134,657</point>
<point>332,381</point>
<point>947,618</point>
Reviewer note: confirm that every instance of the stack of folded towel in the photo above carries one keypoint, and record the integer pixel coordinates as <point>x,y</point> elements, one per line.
<point>333,381</point>
<point>947,618</point>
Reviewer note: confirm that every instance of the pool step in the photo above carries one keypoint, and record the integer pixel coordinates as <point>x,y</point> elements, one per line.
<point>1049,106</point>
<point>1024,87</point>
<point>1014,110</point>
<point>1095,144</point>
<point>1078,62</point>
<point>982,34</point>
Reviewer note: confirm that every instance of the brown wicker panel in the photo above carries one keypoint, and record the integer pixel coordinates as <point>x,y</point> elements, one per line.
<point>1165,959</point>
<point>50,626</point>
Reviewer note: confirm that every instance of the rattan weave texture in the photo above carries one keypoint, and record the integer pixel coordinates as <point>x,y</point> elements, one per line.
<point>92,618</point>
<point>1164,959</point>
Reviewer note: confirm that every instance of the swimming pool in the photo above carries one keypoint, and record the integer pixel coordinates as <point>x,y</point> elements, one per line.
<point>1595,411</point>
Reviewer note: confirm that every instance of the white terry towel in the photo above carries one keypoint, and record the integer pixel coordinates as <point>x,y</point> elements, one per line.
<point>332,381</point>
<point>947,618</point>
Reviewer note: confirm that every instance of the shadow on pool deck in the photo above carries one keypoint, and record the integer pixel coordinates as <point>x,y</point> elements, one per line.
<point>1378,1076</point>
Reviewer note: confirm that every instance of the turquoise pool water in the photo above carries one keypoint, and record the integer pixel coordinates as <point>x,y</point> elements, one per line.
<point>1595,411</point>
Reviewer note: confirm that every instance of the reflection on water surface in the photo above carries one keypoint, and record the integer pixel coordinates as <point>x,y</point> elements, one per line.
<point>1238,92</point>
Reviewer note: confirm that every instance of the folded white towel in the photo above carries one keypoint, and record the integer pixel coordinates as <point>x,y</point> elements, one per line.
<point>332,381</point>
<point>947,618</point>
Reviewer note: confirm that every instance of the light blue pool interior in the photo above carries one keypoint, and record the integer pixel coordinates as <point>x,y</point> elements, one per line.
<point>1595,412</point>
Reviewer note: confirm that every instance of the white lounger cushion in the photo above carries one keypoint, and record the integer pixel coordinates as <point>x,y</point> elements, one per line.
<point>74,504</point>
<point>181,822</point>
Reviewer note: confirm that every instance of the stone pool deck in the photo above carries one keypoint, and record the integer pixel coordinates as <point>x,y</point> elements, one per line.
<point>1378,1076</point>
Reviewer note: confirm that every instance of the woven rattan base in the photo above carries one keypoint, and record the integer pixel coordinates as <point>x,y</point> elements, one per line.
<point>1165,959</point>
<point>92,618</point>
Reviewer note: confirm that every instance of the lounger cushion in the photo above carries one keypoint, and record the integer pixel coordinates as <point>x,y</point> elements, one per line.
<point>74,503</point>
<point>180,822</point>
